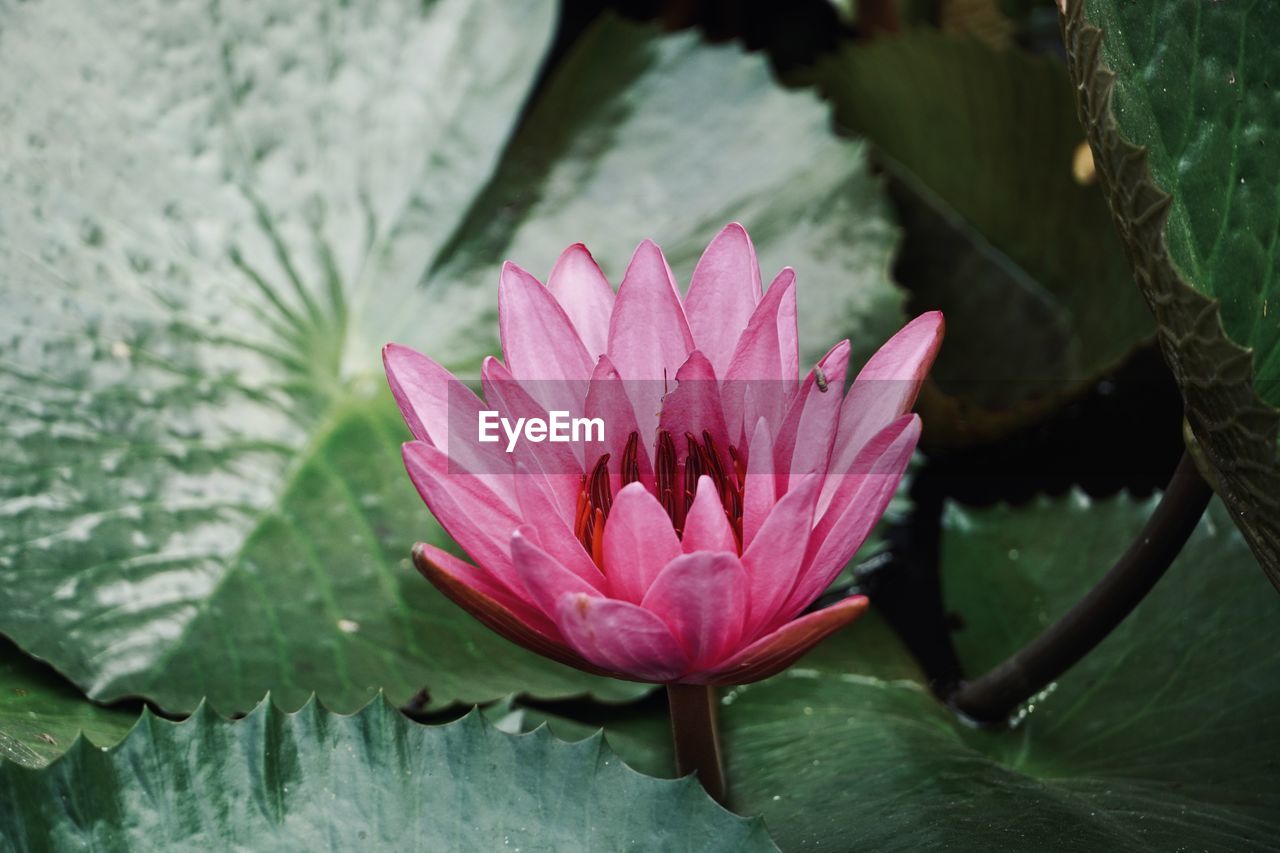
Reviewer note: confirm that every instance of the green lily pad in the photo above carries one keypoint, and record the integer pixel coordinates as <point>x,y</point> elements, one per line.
<point>319,781</point>
<point>218,216</point>
<point>1179,103</point>
<point>644,135</point>
<point>41,714</point>
<point>1163,738</point>
<point>1000,235</point>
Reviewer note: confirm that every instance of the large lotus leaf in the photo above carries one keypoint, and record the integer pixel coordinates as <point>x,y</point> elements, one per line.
<point>641,135</point>
<point>213,213</point>
<point>217,215</point>
<point>1000,235</point>
<point>1179,100</point>
<point>319,781</point>
<point>1163,738</point>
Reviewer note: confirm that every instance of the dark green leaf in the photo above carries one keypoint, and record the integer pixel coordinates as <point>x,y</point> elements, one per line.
<point>1163,738</point>
<point>1000,235</point>
<point>318,781</point>
<point>1179,100</point>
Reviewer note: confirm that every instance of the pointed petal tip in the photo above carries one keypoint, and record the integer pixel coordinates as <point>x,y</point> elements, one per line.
<point>525,538</point>
<point>935,319</point>
<point>393,352</point>
<point>735,231</point>
<point>647,247</point>
<point>514,275</point>
<point>576,249</point>
<point>390,352</point>
<point>840,350</point>
<point>856,603</point>
<point>785,645</point>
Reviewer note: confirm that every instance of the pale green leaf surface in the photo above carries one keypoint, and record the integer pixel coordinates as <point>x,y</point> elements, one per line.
<point>220,208</point>
<point>226,212</point>
<point>667,138</point>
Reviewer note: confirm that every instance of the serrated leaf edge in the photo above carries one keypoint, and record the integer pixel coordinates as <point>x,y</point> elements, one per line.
<point>594,745</point>
<point>1235,428</point>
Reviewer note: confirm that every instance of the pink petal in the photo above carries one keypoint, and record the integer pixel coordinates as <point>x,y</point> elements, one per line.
<point>788,332</point>
<point>776,555</point>
<point>775,652</point>
<point>648,334</point>
<point>759,491</point>
<point>512,400</point>
<point>437,407</point>
<point>638,541</point>
<point>543,577</point>
<point>555,531</point>
<point>515,620</point>
<point>621,637</point>
<point>694,406</point>
<point>878,480</point>
<point>477,518</point>
<point>607,399</point>
<point>480,580</point>
<point>886,387</point>
<point>758,354</point>
<point>585,295</point>
<point>908,354</point>
<point>757,364</point>
<point>703,599</point>
<point>723,293</point>
<point>804,444</point>
<point>538,338</point>
<point>421,389</point>
<point>846,487</point>
<point>707,527</point>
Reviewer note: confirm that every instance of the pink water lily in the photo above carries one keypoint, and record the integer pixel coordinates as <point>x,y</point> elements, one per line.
<point>726,494</point>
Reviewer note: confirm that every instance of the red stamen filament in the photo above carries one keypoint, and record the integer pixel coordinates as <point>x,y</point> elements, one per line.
<point>675,482</point>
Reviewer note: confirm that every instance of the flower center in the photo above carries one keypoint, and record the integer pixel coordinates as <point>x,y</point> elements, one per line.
<point>675,483</point>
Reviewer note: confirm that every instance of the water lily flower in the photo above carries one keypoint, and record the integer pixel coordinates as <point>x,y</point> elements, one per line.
<point>727,492</point>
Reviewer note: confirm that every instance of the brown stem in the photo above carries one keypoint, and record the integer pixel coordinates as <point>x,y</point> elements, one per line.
<point>697,736</point>
<point>994,696</point>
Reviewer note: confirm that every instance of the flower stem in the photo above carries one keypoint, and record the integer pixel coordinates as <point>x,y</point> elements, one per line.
<point>697,736</point>
<point>994,696</point>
